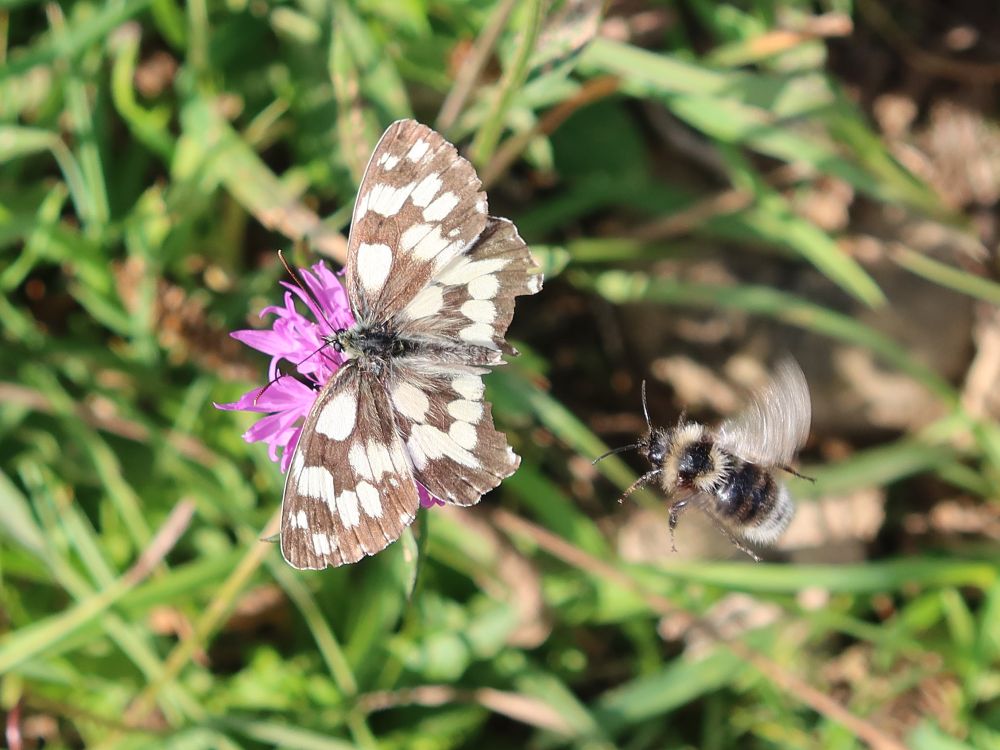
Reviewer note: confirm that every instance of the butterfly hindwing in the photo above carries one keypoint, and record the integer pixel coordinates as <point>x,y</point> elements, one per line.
<point>349,491</point>
<point>447,428</point>
<point>419,206</point>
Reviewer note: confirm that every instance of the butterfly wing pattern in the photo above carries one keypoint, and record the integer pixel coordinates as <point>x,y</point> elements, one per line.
<point>431,279</point>
<point>349,491</point>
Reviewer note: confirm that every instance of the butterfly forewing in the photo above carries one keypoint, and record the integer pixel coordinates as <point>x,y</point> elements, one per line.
<point>349,491</point>
<point>470,302</point>
<point>419,206</point>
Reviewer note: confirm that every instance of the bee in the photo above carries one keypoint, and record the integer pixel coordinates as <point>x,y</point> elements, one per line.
<point>729,472</point>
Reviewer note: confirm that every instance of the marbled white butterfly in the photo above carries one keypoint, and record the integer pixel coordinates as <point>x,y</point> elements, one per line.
<point>431,280</point>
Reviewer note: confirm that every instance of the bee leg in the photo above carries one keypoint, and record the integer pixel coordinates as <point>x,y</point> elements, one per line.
<point>675,513</point>
<point>644,479</point>
<point>792,471</point>
<point>738,544</point>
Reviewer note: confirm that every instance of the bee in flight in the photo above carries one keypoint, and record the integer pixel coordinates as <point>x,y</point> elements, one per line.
<point>729,472</point>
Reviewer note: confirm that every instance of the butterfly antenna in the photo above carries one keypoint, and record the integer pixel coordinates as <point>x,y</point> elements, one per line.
<point>645,408</point>
<point>280,375</point>
<point>298,282</point>
<point>614,451</point>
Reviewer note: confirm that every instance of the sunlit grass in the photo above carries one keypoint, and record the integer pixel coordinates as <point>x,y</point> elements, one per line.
<point>154,154</point>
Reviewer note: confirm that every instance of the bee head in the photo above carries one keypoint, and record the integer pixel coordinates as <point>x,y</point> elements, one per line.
<point>655,445</point>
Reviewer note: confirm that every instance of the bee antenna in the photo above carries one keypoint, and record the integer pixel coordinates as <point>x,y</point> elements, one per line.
<point>645,409</point>
<point>614,451</point>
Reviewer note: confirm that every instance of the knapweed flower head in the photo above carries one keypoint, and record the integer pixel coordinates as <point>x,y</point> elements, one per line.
<point>302,341</point>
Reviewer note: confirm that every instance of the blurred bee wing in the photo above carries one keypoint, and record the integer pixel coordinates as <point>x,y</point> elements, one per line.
<point>775,423</point>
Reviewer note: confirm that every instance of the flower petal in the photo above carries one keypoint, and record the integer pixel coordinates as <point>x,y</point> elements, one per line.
<point>427,500</point>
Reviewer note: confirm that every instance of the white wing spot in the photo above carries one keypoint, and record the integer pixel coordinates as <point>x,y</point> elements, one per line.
<point>417,150</point>
<point>371,503</point>
<point>410,401</point>
<point>389,161</point>
<point>374,262</point>
<point>321,544</point>
<point>481,205</point>
<point>424,240</point>
<point>484,287</point>
<point>385,199</point>
<point>347,508</point>
<point>398,457</point>
<point>480,334</point>
<point>427,303</point>
<point>417,455</point>
<point>379,459</point>
<point>336,421</point>
<point>470,387</point>
<point>425,190</point>
<point>434,443</point>
<point>316,482</point>
<point>300,520</point>
<point>358,458</point>
<point>298,464</point>
<point>466,411</point>
<point>464,434</point>
<point>479,311</point>
<point>441,207</point>
<point>463,270</point>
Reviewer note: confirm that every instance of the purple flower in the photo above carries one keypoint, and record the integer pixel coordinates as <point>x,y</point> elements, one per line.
<point>298,339</point>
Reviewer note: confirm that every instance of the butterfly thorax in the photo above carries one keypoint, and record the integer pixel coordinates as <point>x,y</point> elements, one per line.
<point>372,345</point>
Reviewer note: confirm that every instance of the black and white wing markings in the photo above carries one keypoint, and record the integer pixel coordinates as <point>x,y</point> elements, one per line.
<point>471,301</point>
<point>349,491</point>
<point>447,429</point>
<point>419,206</point>
<point>775,422</point>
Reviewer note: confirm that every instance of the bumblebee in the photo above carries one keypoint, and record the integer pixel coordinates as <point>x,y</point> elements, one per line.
<point>730,472</point>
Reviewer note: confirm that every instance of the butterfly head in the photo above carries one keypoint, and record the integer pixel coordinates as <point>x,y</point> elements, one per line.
<point>336,340</point>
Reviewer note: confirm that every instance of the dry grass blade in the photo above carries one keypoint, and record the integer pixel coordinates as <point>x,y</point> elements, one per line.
<point>161,544</point>
<point>206,625</point>
<point>516,706</point>
<point>186,445</point>
<point>794,686</point>
<point>469,73</point>
<point>507,153</point>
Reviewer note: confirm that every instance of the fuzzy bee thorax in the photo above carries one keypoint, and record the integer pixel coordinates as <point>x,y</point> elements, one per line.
<point>692,459</point>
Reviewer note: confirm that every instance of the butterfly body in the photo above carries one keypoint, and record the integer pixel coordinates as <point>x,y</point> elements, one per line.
<point>372,346</point>
<point>431,279</point>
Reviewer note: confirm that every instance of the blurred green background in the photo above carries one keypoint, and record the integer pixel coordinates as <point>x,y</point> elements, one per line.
<point>709,186</point>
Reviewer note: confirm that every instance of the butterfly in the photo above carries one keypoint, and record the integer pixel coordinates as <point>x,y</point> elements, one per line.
<point>431,280</point>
